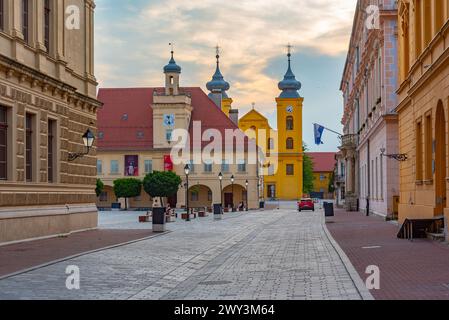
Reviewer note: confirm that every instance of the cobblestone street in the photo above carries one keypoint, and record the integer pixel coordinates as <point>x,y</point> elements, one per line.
<point>258,255</point>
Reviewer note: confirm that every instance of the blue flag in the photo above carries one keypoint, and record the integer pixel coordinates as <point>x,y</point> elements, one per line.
<point>318,131</point>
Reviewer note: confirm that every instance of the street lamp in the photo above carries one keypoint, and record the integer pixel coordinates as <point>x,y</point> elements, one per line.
<point>220,177</point>
<point>88,141</point>
<point>246,183</point>
<point>232,182</point>
<point>187,172</point>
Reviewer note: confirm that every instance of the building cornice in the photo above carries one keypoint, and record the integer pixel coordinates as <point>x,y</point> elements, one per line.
<point>66,92</point>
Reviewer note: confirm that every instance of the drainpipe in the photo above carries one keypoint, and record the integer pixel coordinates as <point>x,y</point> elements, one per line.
<point>369,180</point>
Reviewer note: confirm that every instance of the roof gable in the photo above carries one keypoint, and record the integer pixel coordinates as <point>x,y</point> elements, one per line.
<point>323,161</point>
<point>126,118</point>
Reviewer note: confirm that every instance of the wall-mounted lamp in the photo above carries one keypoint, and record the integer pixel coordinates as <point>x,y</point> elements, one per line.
<point>398,157</point>
<point>88,141</point>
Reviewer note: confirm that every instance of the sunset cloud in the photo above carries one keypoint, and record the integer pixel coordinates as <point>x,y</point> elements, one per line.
<point>133,36</point>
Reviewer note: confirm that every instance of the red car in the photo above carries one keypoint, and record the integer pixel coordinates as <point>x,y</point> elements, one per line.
<point>306,204</point>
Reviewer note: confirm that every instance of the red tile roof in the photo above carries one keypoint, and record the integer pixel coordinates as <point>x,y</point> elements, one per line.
<point>323,161</point>
<point>136,104</point>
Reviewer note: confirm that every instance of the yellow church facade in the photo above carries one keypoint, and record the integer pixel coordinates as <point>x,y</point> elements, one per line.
<point>282,148</point>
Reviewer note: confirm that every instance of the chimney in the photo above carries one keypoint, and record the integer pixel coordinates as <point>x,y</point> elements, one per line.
<point>234,116</point>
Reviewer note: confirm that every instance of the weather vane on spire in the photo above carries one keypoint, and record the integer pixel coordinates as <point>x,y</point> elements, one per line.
<point>217,49</point>
<point>289,49</point>
<point>172,45</point>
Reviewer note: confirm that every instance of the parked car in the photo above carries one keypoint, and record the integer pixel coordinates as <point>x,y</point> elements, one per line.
<point>306,204</point>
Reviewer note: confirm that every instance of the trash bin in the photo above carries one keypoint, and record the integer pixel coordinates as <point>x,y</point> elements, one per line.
<point>262,204</point>
<point>159,220</point>
<point>218,209</point>
<point>328,209</point>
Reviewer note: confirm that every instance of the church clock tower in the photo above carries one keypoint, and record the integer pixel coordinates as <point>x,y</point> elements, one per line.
<point>172,109</point>
<point>289,120</point>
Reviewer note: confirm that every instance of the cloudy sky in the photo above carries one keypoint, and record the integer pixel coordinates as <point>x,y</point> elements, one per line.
<point>132,39</point>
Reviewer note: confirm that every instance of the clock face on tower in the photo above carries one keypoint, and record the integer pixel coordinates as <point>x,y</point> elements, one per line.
<point>289,109</point>
<point>169,120</point>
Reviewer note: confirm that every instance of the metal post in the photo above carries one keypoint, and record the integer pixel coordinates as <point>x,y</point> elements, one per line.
<point>187,198</point>
<point>247,183</point>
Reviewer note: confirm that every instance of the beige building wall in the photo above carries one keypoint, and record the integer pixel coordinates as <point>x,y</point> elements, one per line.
<point>198,177</point>
<point>51,84</point>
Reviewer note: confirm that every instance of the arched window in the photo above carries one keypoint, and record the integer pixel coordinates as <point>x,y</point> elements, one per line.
<point>289,123</point>
<point>290,144</point>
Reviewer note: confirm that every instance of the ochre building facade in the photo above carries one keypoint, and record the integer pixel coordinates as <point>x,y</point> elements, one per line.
<point>423,109</point>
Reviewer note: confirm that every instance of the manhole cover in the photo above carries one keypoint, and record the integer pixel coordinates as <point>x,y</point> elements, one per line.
<point>215,283</point>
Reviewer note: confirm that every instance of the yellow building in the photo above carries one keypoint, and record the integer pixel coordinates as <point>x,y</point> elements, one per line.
<point>283,178</point>
<point>423,108</point>
<point>323,172</point>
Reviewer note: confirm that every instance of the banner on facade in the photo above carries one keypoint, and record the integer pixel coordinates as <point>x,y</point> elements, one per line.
<point>168,163</point>
<point>131,166</point>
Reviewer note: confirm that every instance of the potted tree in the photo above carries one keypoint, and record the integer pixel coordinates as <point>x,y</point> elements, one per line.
<point>127,188</point>
<point>99,187</point>
<point>161,185</point>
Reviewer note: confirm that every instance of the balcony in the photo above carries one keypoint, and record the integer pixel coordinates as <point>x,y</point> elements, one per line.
<point>340,179</point>
<point>349,142</point>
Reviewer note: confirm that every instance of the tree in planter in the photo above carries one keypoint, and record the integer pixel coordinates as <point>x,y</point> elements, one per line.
<point>307,172</point>
<point>127,188</point>
<point>99,188</point>
<point>162,184</point>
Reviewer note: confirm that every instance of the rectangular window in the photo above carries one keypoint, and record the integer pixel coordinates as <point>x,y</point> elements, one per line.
<point>290,169</point>
<point>168,134</point>
<point>194,196</point>
<point>419,152</point>
<point>381,178</point>
<point>2,15</point>
<point>148,166</point>
<point>377,178</point>
<point>271,144</point>
<point>207,167</point>
<point>271,191</point>
<point>29,146</point>
<point>241,167</point>
<point>271,170</point>
<point>47,17</point>
<point>427,21</point>
<point>51,148</point>
<point>225,166</point>
<point>428,146</point>
<point>418,27</point>
<point>322,177</point>
<point>99,167</point>
<point>25,20</point>
<point>114,167</point>
<point>3,144</point>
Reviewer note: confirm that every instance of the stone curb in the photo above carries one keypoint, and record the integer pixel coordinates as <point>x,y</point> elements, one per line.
<point>365,294</point>
<point>80,255</point>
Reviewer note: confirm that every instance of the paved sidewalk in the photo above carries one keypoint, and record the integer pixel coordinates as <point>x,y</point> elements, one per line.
<point>415,270</point>
<point>257,255</point>
<point>21,256</point>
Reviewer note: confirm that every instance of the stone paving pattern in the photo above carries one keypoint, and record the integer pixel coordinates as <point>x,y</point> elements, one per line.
<point>415,270</point>
<point>20,256</point>
<point>258,255</point>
